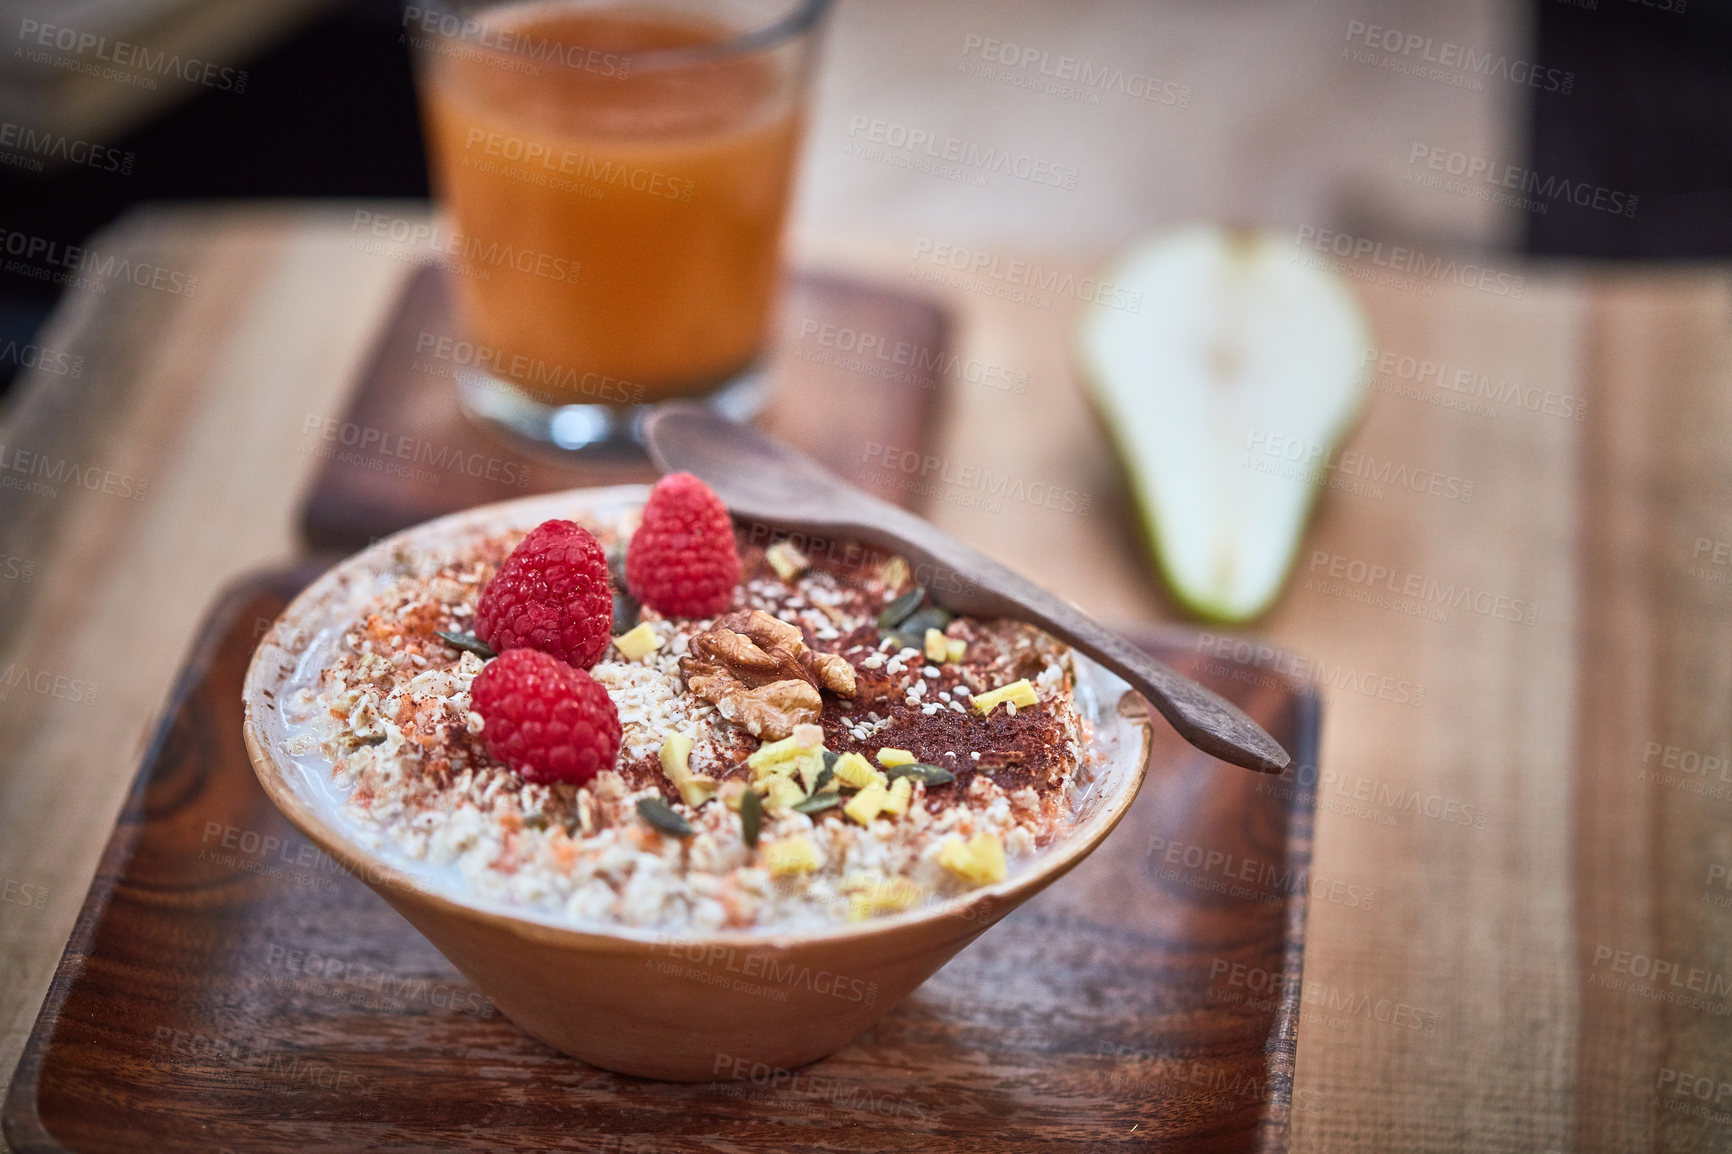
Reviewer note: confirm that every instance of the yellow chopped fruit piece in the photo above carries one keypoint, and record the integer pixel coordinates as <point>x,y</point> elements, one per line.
<point>877,894</point>
<point>888,757</point>
<point>937,645</point>
<point>780,771</point>
<point>955,650</point>
<point>901,790</point>
<point>694,791</point>
<point>783,792</point>
<point>855,771</point>
<point>1016,693</point>
<point>894,573</point>
<point>811,765</point>
<point>953,855</point>
<point>772,753</point>
<point>787,561</point>
<point>638,643</point>
<point>775,759</point>
<point>731,793</point>
<point>980,861</point>
<point>988,854</point>
<point>808,736</point>
<point>795,855</point>
<point>676,763</point>
<point>864,806</point>
<point>676,756</point>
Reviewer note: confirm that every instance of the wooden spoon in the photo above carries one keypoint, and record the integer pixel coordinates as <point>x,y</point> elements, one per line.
<point>760,479</point>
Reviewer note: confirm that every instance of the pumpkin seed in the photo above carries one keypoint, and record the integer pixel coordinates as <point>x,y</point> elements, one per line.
<point>751,816</point>
<point>898,610</point>
<point>468,643</point>
<point>663,816</point>
<point>920,771</point>
<point>911,632</point>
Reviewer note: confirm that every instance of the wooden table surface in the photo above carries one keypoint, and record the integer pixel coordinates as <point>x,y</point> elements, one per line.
<point>1521,921</point>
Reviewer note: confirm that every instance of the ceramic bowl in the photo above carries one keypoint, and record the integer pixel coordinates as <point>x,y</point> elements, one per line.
<point>686,1007</point>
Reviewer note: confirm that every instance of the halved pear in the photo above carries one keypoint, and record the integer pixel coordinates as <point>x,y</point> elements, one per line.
<point>1235,353</point>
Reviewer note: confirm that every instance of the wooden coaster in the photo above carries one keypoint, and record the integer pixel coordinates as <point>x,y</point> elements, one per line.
<point>229,986</point>
<point>854,365</point>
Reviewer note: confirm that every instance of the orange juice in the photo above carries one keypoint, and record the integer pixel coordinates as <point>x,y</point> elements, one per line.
<point>621,216</point>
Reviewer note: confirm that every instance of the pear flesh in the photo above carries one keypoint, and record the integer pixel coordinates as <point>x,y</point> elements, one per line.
<point>1237,360</point>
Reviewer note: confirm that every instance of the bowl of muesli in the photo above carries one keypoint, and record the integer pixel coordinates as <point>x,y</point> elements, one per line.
<point>675,804</point>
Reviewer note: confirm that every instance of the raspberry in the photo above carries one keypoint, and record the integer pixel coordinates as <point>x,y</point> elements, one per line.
<point>682,560</point>
<point>551,594</point>
<point>544,719</point>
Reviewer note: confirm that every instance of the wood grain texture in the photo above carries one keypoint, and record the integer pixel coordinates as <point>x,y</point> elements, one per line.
<point>1478,777</point>
<point>1654,918</point>
<point>199,394</point>
<point>853,365</point>
<point>1485,934</point>
<point>228,986</point>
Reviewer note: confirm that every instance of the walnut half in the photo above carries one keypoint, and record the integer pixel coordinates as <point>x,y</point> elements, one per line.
<point>760,674</point>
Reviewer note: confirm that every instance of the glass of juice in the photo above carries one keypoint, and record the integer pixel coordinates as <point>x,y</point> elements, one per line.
<point>616,174</point>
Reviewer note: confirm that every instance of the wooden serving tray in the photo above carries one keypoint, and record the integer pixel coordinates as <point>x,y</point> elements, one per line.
<point>228,987</point>
<point>853,363</point>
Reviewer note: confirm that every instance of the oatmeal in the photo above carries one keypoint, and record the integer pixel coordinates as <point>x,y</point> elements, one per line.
<point>885,755</point>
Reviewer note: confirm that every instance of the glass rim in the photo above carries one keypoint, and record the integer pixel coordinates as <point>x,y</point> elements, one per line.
<point>802,17</point>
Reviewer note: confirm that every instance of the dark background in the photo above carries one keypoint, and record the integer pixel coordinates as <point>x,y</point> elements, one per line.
<point>330,112</point>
